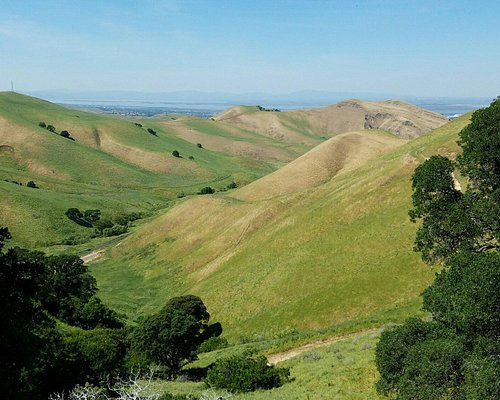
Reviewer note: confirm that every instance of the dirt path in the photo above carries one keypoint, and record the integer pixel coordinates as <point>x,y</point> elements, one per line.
<point>92,256</point>
<point>101,249</point>
<point>286,355</point>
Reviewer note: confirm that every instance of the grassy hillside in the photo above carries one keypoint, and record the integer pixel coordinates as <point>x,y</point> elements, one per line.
<point>112,164</point>
<point>317,257</point>
<point>306,126</point>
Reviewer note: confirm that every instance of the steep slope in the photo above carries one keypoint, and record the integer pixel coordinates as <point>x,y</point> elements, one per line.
<point>398,117</point>
<point>318,256</point>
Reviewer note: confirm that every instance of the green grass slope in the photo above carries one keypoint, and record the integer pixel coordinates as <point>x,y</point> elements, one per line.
<point>112,164</point>
<point>332,254</point>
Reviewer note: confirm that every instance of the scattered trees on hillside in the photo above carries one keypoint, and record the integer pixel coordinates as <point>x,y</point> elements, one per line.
<point>42,124</point>
<point>105,226</point>
<point>175,153</point>
<point>457,354</point>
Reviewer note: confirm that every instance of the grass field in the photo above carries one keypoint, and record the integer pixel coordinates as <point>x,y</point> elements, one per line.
<point>338,252</point>
<point>112,164</point>
<point>341,370</point>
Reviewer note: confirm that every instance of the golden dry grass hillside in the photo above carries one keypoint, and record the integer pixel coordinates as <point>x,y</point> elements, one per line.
<point>337,251</point>
<point>398,117</point>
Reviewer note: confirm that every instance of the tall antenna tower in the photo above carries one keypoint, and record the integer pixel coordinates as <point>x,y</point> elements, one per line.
<point>11,85</point>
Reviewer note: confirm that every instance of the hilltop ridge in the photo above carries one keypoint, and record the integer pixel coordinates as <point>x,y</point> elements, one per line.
<point>395,116</point>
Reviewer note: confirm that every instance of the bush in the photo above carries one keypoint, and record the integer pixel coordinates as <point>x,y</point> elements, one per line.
<point>95,314</point>
<point>232,185</point>
<point>51,128</point>
<point>191,157</point>
<point>245,374</point>
<point>115,230</point>
<point>65,134</point>
<point>42,125</point>
<point>199,145</point>
<point>213,343</point>
<point>138,124</point>
<point>207,190</point>
<point>152,131</point>
<point>175,153</point>
<point>32,184</point>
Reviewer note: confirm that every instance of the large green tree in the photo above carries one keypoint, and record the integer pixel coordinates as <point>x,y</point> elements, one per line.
<point>171,336</point>
<point>457,354</point>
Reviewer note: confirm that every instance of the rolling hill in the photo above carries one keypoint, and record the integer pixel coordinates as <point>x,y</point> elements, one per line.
<point>330,245</point>
<point>398,117</point>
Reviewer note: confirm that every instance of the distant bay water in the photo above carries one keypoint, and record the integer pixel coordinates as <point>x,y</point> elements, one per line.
<point>450,107</point>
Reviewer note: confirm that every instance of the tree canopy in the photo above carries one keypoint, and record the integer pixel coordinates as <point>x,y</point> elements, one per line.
<point>457,354</point>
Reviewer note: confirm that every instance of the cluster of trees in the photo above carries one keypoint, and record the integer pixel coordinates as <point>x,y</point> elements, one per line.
<point>51,128</point>
<point>455,355</point>
<point>103,226</point>
<point>55,332</point>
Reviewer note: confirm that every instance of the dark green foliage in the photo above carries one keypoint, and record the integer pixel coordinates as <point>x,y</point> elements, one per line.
<point>175,153</point>
<point>125,219</point>
<point>32,184</point>
<point>465,295</point>
<point>245,374</point>
<point>432,370</point>
<point>171,336</point>
<point>138,124</point>
<point>213,343</point>
<point>92,215</point>
<point>207,190</point>
<point>481,371</point>
<point>93,356</point>
<point>103,223</point>
<point>393,348</point>
<point>115,230</point>
<point>457,355</point>
<point>95,314</point>
<point>152,132</point>
<point>191,157</point>
<point>75,215</point>
<point>452,220</point>
<point>199,145</point>
<point>35,288</point>
<point>42,124</point>
<point>65,134</point>
<point>232,185</point>
<point>480,142</point>
<point>67,286</point>
<point>51,128</point>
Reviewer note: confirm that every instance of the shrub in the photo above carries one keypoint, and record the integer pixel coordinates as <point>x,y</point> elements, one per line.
<point>207,190</point>
<point>245,374</point>
<point>138,124</point>
<point>115,230</point>
<point>95,314</point>
<point>152,131</point>
<point>51,128</point>
<point>199,145</point>
<point>191,157</point>
<point>232,185</point>
<point>213,343</point>
<point>32,184</point>
<point>65,134</point>
<point>42,125</point>
<point>175,153</point>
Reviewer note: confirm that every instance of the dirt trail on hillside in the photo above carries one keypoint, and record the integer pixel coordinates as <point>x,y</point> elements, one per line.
<point>286,355</point>
<point>92,256</point>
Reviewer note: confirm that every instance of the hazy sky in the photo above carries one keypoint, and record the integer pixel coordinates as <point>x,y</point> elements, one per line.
<point>421,47</point>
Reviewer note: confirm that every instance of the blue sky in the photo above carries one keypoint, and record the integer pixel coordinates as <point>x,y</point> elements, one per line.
<point>421,48</point>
